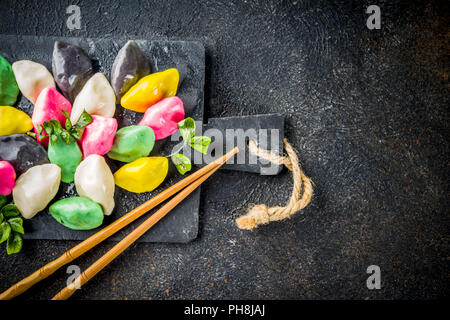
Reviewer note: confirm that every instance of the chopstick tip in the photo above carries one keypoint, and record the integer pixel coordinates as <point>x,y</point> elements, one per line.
<point>231,154</point>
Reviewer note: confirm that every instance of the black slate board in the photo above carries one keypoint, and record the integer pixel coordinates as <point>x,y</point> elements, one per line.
<point>266,130</point>
<point>189,57</point>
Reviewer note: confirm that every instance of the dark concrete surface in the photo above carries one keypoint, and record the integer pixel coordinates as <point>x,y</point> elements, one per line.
<point>367,112</point>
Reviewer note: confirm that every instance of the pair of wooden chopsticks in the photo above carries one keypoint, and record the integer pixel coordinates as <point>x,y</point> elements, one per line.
<point>189,184</point>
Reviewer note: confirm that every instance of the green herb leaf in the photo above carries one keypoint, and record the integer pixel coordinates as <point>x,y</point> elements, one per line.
<point>10,210</point>
<point>65,113</point>
<point>48,127</point>
<point>1,217</point>
<point>65,136</point>
<point>57,127</point>
<point>187,129</point>
<point>2,200</point>
<point>84,120</point>
<point>76,133</point>
<point>14,244</point>
<point>31,134</point>
<point>16,225</point>
<point>182,163</point>
<point>68,124</point>
<point>53,139</point>
<point>200,143</point>
<point>55,130</point>
<point>40,129</point>
<point>5,231</point>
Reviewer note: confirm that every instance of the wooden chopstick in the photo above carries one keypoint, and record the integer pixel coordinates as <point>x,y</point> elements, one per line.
<point>117,225</point>
<point>98,265</point>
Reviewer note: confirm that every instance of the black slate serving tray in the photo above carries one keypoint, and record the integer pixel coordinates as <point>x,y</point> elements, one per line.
<point>181,225</point>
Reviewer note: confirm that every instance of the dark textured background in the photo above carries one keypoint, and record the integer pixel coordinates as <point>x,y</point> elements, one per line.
<point>367,111</point>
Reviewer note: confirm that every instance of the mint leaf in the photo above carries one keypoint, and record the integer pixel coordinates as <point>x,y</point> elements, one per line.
<point>53,139</point>
<point>31,134</point>
<point>77,130</point>
<point>65,136</point>
<point>65,113</point>
<point>16,225</point>
<point>76,133</point>
<point>57,127</point>
<point>200,143</point>
<point>48,127</point>
<point>182,163</point>
<point>187,129</point>
<point>5,231</point>
<point>2,200</point>
<point>55,130</point>
<point>1,217</point>
<point>14,244</point>
<point>67,124</point>
<point>84,120</point>
<point>10,210</point>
